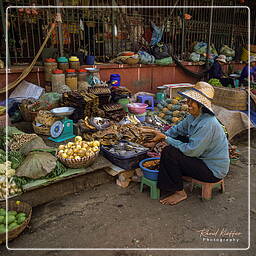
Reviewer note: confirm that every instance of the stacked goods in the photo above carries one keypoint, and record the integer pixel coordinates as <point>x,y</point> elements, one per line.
<point>173,110</point>
<point>114,111</point>
<point>43,122</point>
<point>128,132</point>
<point>103,93</point>
<point>118,92</point>
<point>79,153</point>
<point>14,219</point>
<point>7,185</point>
<point>85,104</point>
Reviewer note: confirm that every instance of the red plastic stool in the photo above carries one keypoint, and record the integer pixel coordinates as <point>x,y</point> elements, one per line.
<point>206,186</point>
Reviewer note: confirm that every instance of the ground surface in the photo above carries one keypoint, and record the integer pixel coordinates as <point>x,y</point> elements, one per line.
<point>111,217</point>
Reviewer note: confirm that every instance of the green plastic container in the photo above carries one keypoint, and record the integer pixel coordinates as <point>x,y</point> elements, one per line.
<point>124,103</point>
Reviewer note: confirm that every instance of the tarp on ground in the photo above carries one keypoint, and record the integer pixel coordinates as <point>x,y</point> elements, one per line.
<point>234,121</point>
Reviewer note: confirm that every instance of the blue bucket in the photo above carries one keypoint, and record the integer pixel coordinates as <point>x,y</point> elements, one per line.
<point>90,60</point>
<point>115,79</point>
<point>149,174</point>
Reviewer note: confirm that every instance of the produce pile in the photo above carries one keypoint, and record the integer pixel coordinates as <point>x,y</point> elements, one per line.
<point>173,110</point>
<point>14,219</point>
<point>152,164</point>
<point>79,149</point>
<point>10,188</point>
<point>215,82</point>
<point>128,132</point>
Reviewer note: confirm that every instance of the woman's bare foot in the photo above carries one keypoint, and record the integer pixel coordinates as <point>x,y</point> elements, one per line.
<point>175,198</point>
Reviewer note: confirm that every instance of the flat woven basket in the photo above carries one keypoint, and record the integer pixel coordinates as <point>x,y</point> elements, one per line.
<point>21,207</point>
<point>41,129</point>
<point>230,98</point>
<point>81,163</point>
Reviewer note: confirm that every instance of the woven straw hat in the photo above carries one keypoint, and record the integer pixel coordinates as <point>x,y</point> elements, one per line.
<point>202,93</point>
<point>222,58</point>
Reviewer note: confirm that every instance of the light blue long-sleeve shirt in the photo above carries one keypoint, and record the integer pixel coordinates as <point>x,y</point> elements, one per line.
<point>207,141</point>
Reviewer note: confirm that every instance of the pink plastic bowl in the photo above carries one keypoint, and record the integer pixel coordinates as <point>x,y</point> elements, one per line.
<point>137,108</point>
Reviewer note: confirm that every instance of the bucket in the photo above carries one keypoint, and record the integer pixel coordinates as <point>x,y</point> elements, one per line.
<point>115,79</point>
<point>124,103</point>
<point>90,60</point>
<point>141,117</point>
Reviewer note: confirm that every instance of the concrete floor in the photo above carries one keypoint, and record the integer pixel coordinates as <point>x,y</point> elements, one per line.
<point>108,216</point>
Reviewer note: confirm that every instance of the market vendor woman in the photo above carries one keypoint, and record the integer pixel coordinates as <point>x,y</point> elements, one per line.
<point>198,147</point>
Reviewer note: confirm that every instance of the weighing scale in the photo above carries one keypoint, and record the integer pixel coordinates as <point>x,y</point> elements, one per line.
<point>63,129</point>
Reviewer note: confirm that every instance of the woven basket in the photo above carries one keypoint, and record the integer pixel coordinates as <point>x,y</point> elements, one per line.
<point>230,98</point>
<point>41,129</point>
<point>22,207</point>
<point>81,163</point>
<point>30,116</point>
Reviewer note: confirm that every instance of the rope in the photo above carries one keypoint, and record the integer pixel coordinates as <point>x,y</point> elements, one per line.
<point>188,71</point>
<point>29,68</point>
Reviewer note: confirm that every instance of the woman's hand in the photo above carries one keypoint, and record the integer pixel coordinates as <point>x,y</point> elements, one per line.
<point>158,136</point>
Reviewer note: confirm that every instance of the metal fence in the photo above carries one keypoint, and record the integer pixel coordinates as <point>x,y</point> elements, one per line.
<point>104,32</point>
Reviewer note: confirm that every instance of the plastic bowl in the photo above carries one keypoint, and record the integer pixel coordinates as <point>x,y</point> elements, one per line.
<point>137,108</point>
<point>149,174</point>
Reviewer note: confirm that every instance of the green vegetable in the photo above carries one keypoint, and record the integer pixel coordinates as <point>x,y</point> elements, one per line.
<point>58,170</point>
<point>2,219</point>
<point>21,214</point>
<point>16,158</point>
<point>12,213</point>
<point>215,82</point>
<point>2,228</point>
<point>21,219</point>
<point>12,226</point>
<point>10,219</point>
<point>2,212</point>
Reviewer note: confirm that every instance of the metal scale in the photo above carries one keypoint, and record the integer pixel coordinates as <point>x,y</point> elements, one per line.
<point>63,129</point>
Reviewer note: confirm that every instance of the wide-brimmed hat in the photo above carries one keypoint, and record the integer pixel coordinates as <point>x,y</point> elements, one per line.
<point>202,93</point>
<point>222,58</point>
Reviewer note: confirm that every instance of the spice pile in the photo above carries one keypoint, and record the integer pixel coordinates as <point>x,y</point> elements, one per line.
<point>173,110</point>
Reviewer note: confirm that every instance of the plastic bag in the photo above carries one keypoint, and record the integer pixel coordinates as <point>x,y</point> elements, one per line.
<point>229,52</point>
<point>146,58</point>
<point>157,34</point>
<point>160,51</point>
<point>37,165</point>
<point>164,61</point>
<point>195,57</point>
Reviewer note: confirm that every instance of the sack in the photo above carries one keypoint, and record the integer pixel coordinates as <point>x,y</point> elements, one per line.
<point>164,61</point>
<point>229,52</point>
<point>160,51</point>
<point>195,57</point>
<point>146,58</point>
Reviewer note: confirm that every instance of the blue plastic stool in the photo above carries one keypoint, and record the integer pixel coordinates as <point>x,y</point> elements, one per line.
<point>150,99</point>
<point>154,191</point>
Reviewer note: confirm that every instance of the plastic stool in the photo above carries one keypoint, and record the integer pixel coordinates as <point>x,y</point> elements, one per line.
<point>150,99</point>
<point>154,191</point>
<point>206,187</point>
